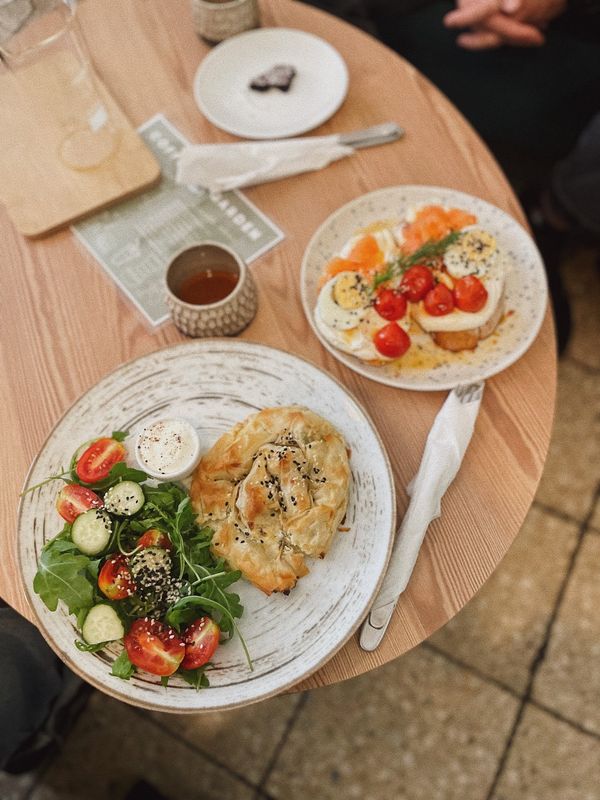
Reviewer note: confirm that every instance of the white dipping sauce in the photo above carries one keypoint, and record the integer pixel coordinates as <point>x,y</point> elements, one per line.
<point>168,449</point>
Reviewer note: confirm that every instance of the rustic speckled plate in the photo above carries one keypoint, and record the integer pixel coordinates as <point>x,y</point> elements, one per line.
<point>215,383</point>
<point>427,367</point>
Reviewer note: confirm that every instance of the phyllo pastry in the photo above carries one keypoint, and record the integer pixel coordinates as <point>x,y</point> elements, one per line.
<point>274,490</point>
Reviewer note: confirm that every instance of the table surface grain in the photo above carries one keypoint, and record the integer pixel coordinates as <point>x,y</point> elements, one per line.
<point>65,324</point>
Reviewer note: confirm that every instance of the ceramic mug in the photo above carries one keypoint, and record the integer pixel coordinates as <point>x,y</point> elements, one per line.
<point>215,20</point>
<point>224,317</point>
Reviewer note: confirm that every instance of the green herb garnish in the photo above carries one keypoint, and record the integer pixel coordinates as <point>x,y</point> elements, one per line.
<point>424,255</point>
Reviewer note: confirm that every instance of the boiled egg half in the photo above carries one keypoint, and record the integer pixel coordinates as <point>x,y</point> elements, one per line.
<point>344,301</point>
<point>475,253</point>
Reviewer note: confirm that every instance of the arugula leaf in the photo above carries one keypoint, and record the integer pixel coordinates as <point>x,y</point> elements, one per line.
<point>195,677</point>
<point>89,648</point>
<point>164,680</point>
<point>185,611</point>
<point>93,568</point>
<point>61,576</point>
<point>81,615</point>
<point>119,436</point>
<point>61,477</point>
<point>122,667</point>
<point>119,472</point>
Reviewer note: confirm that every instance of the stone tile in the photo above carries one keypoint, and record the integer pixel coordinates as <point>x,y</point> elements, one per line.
<point>569,678</point>
<point>572,468</point>
<point>252,733</point>
<point>549,760</point>
<point>502,628</point>
<point>582,281</point>
<point>112,747</point>
<point>419,728</point>
<point>16,787</point>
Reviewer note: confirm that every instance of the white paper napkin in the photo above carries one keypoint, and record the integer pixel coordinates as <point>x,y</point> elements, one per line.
<point>220,167</point>
<point>445,448</point>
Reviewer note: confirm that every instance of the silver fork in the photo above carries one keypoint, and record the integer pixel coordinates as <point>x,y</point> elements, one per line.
<point>469,392</point>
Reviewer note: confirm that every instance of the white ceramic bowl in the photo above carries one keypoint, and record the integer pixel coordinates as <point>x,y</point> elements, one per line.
<point>168,433</point>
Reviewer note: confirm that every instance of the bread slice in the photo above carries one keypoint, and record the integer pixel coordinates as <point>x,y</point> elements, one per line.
<point>469,339</point>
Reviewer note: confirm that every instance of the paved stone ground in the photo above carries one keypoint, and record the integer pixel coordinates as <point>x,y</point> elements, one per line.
<point>501,704</point>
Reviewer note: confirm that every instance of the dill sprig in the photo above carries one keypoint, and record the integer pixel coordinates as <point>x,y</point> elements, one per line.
<point>424,255</point>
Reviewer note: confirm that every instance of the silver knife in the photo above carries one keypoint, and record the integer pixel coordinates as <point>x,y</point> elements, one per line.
<point>446,444</point>
<point>369,137</point>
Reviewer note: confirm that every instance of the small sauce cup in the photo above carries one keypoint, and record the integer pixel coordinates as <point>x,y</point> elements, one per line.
<point>168,449</point>
<point>218,272</point>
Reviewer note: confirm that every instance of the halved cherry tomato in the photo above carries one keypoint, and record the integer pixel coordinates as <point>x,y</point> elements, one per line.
<point>154,538</point>
<point>439,301</point>
<point>73,500</point>
<point>416,282</point>
<point>201,640</point>
<point>155,647</point>
<point>390,304</point>
<point>114,579</point>
<point>470,294</point>
<point>96,462</point>
<point>392,340</point>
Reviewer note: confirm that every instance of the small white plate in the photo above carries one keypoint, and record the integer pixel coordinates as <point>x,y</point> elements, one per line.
<point>433,368</point>
<point>214,384</point>
<point>223,94</point>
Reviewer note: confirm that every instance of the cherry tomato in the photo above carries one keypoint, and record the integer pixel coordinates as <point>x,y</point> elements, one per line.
<point>154,538</point>
<point>201,640</point>
<point>439,301</point>
<point>390,305</point>
<point>392,340</point>
<point>470,294</point>
<point>73,500</point>
<point>96,462</point>
<point>114,579</point>
<point>416,282</point>
<point>155,647</point>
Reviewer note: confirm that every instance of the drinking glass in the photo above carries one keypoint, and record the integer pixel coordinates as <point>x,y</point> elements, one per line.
<point>50,83</point>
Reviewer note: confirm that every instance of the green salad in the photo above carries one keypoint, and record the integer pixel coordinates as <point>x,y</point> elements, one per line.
<point>133,566</point>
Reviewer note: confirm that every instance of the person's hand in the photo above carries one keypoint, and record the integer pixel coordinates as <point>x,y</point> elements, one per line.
<point>497,22</point>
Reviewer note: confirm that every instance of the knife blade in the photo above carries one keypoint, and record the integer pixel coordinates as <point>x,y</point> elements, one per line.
<point>445,447</point>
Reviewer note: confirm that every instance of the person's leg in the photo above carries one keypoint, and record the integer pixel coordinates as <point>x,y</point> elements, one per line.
<point>529,105</point>
<point>575,184</point>
<point>353,11</point>
<point>37,694</point>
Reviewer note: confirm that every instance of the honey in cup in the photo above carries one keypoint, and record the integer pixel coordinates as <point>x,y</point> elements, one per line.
<point>210,291</point>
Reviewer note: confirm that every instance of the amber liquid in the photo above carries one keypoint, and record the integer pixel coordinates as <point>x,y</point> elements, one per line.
<point>207,286</point>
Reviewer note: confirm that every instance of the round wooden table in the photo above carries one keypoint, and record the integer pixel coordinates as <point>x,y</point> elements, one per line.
<point>65,324</point>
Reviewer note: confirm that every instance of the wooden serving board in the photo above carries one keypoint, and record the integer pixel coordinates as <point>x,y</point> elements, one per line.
<point>40,192</point>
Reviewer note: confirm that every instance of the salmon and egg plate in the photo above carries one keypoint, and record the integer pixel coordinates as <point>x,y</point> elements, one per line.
<point>435,268</point>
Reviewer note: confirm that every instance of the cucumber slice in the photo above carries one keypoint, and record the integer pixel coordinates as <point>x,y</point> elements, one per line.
<point>91,531</point>
<point>102,624</point>
<point>125,498</point>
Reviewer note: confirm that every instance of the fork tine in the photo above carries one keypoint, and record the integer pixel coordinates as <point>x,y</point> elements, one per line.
<point>467,393</point>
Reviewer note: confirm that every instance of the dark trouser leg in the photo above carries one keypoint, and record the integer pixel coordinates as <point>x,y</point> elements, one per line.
<point>576,180</point>
<point>529,105</point>
<point>37,694</point>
